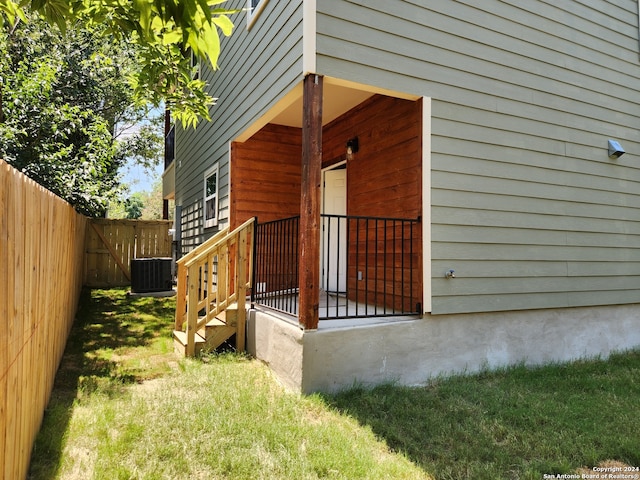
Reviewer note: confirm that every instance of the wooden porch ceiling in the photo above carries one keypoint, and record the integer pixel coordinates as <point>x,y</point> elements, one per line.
<point>339,97</point>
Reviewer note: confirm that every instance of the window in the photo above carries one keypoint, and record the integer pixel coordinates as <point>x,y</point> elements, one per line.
<point>194,63</point>
<point>211,177</point>
<point>254,7</point>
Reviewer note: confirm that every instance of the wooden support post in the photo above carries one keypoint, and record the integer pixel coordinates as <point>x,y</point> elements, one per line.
<point>181,297</point>
<point>241,288</point>
<point>192,309</point>
<point>310,202</point>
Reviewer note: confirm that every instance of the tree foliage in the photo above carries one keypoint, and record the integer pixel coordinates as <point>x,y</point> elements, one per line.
<point>153,203</point>
<point>133,206</point>
<point>165,33</point>
<point>150,202</point>
<point>62,99</point>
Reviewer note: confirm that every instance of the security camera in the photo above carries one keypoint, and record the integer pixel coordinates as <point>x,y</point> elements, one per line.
<point>615,149</point>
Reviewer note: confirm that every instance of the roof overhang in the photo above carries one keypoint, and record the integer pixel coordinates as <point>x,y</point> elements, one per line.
<point>339,96</point>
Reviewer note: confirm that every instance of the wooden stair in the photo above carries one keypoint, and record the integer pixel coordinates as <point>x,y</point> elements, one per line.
<point>180,343</point>
<point>213,280</point>
<point>214,333</point>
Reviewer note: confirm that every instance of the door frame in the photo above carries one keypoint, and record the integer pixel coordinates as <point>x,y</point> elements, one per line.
<point>341,287</point>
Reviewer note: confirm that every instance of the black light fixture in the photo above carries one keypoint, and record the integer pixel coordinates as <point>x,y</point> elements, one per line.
<point>352,146</point>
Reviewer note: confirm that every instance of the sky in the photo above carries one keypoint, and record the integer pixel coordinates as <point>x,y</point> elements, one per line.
<point>138,179</point>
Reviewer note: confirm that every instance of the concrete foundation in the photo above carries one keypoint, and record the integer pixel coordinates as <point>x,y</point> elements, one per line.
<point>279,344</point>
<point>412,351</point>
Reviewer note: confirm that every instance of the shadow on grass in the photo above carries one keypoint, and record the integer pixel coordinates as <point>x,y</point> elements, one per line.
<point>109,326</point>
<point>515,423</point>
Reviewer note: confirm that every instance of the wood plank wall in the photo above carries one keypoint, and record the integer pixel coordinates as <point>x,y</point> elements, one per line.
<point>265,183</point>
<point>384,179</point>
<point>41,273</point>
<point>265,175</point>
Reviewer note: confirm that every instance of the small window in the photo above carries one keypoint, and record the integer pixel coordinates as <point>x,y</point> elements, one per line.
<point>194,63</point>
<point>211,177</point>
<point>254,7</point>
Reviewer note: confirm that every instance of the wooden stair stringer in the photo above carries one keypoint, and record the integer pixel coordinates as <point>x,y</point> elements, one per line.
<point>212,335</point>
<point>229,315</point>
<point>216,332</point>
<point>221,328</point>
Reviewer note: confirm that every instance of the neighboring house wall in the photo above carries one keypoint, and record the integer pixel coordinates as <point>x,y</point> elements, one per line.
<point>526,205</point>
<point>257,67</point>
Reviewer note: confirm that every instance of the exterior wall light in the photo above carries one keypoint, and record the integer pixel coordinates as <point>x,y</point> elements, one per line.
<point>352,146</point>
<point>615,149</point>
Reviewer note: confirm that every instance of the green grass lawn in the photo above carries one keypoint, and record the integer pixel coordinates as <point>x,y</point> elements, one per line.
<point>125,407</point>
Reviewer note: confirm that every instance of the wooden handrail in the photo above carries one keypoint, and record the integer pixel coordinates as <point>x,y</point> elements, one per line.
<point>203,246</point>
<point>220,239</point>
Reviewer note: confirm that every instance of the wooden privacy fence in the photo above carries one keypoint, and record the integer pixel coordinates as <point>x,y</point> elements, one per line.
<point>41,272</point>
<point>112,244</point>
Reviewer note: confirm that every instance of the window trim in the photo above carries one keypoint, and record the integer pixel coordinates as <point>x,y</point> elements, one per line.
<point>254,13</point>
<point>211,222</point>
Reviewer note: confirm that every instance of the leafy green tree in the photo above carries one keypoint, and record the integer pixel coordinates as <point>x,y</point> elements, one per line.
<point>134,206</point>
<point>116,209</point>
<point>62,102</point>
<point>164,32</point>
<point>153,202</point>
<point>145,146</point>
<point>64,99</point>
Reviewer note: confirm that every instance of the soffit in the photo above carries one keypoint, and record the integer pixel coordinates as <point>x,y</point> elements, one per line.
<point>337,99</point>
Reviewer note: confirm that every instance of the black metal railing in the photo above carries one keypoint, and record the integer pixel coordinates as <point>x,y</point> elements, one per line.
<point>369,266</point>
<point>275,282</point>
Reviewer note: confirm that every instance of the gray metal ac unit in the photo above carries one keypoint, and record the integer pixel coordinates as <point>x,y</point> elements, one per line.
<point>151,275</point>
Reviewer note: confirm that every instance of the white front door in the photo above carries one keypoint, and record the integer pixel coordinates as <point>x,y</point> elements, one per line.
<point>333,270</point>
